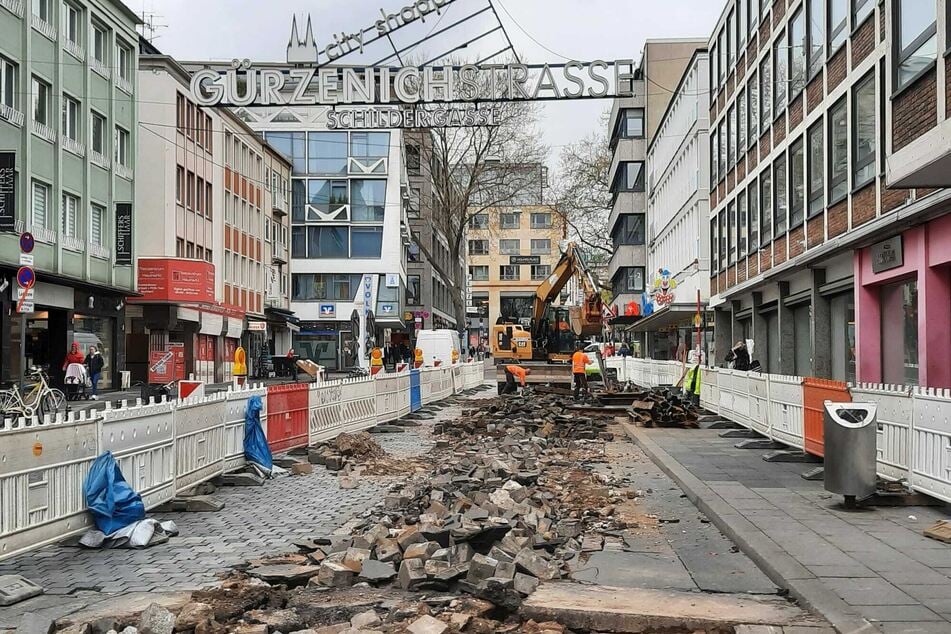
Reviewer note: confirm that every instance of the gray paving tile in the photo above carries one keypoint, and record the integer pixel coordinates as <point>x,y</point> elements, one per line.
<point>903,613</point>
<point>869,592</point>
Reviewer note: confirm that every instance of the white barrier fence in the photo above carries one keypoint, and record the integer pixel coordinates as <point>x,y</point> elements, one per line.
<point>914,424</point>
<point>167,447</point>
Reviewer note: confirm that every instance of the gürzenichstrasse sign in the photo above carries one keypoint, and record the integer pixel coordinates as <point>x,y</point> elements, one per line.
<point>245,85</point>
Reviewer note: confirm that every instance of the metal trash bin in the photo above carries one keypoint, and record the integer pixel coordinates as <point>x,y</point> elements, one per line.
<point>850,431</point>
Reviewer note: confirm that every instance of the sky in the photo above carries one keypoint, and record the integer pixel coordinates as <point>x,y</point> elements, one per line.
<point>540,31</point>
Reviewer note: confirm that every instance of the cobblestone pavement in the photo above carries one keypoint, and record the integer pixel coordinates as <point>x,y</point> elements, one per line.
<point>254,522</point>
<point>875,560</point>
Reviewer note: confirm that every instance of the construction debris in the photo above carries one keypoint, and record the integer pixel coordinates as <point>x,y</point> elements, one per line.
<point>657,407</point>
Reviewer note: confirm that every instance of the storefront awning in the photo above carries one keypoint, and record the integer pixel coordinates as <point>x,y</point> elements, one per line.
<point>235,328</point>
<point>673,315</point>
<point>211,324</point>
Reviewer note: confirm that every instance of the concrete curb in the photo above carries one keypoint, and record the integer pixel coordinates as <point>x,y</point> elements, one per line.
<point>781,568</point>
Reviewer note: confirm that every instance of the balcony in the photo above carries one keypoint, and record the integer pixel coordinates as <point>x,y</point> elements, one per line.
<point>279,206</point>
<point>43,131</point>
<point>278,254</point>
<point>11,115</point>
<point>13,6</point>
<point>72,146</point>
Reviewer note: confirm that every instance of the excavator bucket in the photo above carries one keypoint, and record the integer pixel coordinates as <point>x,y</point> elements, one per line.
<point>586,320</point>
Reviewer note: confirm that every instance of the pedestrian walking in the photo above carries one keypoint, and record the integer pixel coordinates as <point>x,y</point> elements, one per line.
<point>74,355</point>
<point>579,363</point>
<point>95,364</point>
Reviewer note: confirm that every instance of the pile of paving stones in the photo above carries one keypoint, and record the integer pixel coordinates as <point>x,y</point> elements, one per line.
<point>662,407</point>
<point>345,449</point>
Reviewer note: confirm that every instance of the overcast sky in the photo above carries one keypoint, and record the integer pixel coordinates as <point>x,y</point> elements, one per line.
<point>575,29</point>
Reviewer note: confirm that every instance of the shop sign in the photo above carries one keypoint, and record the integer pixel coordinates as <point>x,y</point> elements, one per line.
<point>8,162</point>
<point>176,280</point>
<point>407,316</point>
<point>161,366</point>
<point>525,259</point>
<point>257,326</point>
<point>327,311</point>
<point>387,309</point>
<point>123,233</point>
<point>887,254</point>
<point>367,293</point>
<point>392,280</point>
<point>664,285</point>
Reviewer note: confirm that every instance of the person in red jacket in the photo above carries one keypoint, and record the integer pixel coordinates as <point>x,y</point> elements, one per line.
<point>74,355</point>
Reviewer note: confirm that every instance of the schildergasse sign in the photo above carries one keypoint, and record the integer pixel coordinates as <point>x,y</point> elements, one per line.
<point>384,95</point>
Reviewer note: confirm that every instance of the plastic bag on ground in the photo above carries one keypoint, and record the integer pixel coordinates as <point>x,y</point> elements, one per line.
<point>256,450</point>
<point>147,532</point>
<point>110,499</point>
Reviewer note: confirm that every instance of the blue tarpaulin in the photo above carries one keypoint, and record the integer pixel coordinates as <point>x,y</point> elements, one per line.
<point>255,442</point>
<point>112,502</point>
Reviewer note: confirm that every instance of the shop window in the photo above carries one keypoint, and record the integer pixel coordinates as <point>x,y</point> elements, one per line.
<point>899,333</point>
<point>96,331</point>
<point>803,337</point>
<point>842,314</point>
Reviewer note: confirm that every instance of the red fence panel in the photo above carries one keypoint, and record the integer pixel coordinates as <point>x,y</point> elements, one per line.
<point>287,411</point>
<point>815,392</point>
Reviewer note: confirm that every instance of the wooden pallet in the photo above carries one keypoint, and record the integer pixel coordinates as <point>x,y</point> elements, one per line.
<point>940,530</point>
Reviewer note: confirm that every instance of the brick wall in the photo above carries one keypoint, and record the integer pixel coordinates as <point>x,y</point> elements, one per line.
<point>713,110</point>
<point>881,24</point>
<point>837,67</point>
<point>863,205</point>
<point>752,158</point>
<point>765,259</point>
<point>741,68</point>
<point>779,10</point>
<point>721,281</point>
<point>721,99</point>
<point>947,88</point>
<point>779,129</point>
<point>779,250</point>
<point>795,112</point>
<point>751,53</point>
<point>764,31</point>
<point>721,189</point>
<point>764,145</point>
<point>714,199</point>
<point>863,42</point>
<point>815,231</point>
<point>839,218</point>
<point>752,264</point>
<point>922,192</point>
<point>740,171</point>
<point>915,110</point>
<point>892,199</point>
<point>797,241</point>
<point>814,92</point>
<point>730,85</point>
<point>731,276</point>
<point>741,271</point>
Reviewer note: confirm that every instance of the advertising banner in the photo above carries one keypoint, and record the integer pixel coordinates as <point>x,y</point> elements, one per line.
<point>176,280</point>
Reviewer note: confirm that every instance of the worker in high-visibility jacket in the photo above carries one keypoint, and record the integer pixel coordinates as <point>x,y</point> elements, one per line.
<point>579,366</point>
<point>511,373</point>
<point>693,377</point>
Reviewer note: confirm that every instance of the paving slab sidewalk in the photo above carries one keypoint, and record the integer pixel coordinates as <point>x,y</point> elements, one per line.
<point>868,570</point>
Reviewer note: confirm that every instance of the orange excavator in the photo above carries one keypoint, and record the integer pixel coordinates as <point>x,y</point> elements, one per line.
<point>554,330</point>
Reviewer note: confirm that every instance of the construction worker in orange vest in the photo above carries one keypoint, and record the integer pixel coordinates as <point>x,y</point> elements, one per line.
<point>512,371</point>
<point>579,361</point>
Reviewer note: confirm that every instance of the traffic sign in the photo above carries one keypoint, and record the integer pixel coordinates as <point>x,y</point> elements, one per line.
<point>29,292</point>
<point>25,307</point>
<point>26,259</point>
<point>26,277</point>
<point>27,242</point>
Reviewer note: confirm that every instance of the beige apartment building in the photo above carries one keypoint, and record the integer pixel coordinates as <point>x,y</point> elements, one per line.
<point>511,250</point>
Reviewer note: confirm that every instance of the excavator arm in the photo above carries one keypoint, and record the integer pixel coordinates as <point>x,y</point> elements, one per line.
<point>570,264</point>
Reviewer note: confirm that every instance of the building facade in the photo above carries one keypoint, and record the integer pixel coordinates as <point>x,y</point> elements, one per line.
<point>68,127</point>
<point>212,240</point>
<point>829,234</point>
<point>677,212</point>
<point>511,250</point>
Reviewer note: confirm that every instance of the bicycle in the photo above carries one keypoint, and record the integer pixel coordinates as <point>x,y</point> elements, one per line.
<point>39,400</point>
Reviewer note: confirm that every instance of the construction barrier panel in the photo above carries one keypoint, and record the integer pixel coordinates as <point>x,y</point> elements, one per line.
<point>425,386</point>
<point>357,404</point>
<point>931,442</point>
<point>200,445</point>
<point>288,409</point>
<point>415,391</point>
<point>326,411</point>
<point>758,403</point>
<point>785,408</point>
<point>894,408</point>
<point>815,392</point>
<point>710,390</point>
<point>235,408</point>
<point>392,391</point>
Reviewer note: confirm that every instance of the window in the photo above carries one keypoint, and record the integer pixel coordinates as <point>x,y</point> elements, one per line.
<point>372,145</point>
<point>41,196</point>
<point>179,184</point>
<point>326,152</point>
<point>479,273</point>
<point>721,66</point>
<point>752,100</point>
<point>541,247</point>
<point>293,146</point>
<point>753,12</point>
<point>714,160</point>
<point>629,177</point>
<point>70,212</point>
<point>72,23</point>
<point>100,44</point>
<point>478,247</point>
<point>863,135</point>
<point>510,219</point>
<point>413,292</point>
<point>540,271</point>
<point>509,247</point>
<point>765,208</point>
<point>70,118</point>
<point>208,200</point>
<point>838,152</point>
<point>366,242</point>
<point>41,101</point>
<point>541,221</point>
<point>630,229</point>
<point>740,26</point>
<point>97,215</point>
<point>327,242</point>
<point>838,23</point>
<point>8,83</point>
<point>721,132</point>
<point>367,200</point>
<point>41,9</point>
<point>190,190</point>
<point>479,221</point>
<point>741,125</point>
<point>816,15</point>
<point>122,147</point>
<point>723,241</point>
<point>731,138</point>
<point>508,272</point>
<point>714,242</point>
<point>816,170</point>
<point>797,54</point>
<point>124,61</point>
<point>860,10</point>
<point>765,94</point>
<point>916,28</point>
<point>412,158</point>
<point>98,133</point>
<point>779,196</point>
<point>899,332</point>
<point>713,69</point>
<point>200,195</point>
<point>731,38</point>
<point>779,75</point>
<point>752,199</point>
<point>742,225</point>
<point>633,279</point>
<point>325,196</point>
<point>630,124</point>
<point>731,231</point>
<point>796,183</point>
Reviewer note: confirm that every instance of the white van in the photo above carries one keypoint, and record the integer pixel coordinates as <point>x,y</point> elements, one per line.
<point>437,344</point>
